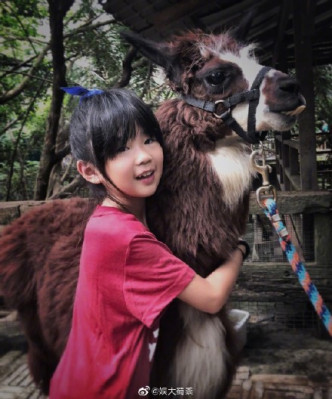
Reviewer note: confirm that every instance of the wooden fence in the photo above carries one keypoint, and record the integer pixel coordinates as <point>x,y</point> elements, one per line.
<point>267,287</point>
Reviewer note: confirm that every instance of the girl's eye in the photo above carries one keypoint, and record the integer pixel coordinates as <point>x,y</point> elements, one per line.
<point>150,140</point>
<point>215,78</point>
<point>123,148</point>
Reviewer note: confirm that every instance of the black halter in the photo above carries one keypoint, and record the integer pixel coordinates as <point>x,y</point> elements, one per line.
<point>252,96</point>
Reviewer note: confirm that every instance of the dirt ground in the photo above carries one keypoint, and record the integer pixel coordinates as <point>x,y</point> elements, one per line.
<point>275,350</point>
<point>11,336</point>
<point>270,349</point>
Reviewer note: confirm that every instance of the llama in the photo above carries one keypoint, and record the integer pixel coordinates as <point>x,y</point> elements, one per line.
<point>199,211</point>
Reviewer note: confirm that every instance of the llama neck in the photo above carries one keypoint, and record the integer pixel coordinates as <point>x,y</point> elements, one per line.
<point>230,161</point>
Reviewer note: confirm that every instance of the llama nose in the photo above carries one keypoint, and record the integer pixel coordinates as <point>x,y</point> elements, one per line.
<point>289,90</point>
<point>288,85</point>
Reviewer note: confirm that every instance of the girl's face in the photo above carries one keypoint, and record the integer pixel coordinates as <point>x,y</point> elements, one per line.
<point>136,170</point>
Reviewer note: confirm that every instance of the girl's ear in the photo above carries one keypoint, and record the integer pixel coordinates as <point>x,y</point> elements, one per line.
<point>89,172</point>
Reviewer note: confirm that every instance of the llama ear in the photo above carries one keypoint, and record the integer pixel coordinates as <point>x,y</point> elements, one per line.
<point>156,52</point>
<point>240,33</point>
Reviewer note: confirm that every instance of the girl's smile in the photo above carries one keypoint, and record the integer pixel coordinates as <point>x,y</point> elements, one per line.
<point>135,171</point>
<point>147,177</point>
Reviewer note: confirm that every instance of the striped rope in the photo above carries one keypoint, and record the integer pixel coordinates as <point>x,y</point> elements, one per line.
<point>271,211</point>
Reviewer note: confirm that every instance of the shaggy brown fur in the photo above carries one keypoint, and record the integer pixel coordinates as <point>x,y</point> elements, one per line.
<point>39,258</point>
<point>202,241</point>
<point>39,253</point>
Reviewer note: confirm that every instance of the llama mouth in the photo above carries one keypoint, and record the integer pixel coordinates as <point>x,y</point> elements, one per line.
<point>293,108</point>
<point>286,117</point>
<point>295,111</point>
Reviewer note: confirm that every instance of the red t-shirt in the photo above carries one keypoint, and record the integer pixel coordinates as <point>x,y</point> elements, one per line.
<point>126,279</point>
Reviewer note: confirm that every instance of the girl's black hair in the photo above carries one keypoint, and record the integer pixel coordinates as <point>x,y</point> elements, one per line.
<point>103,123</point>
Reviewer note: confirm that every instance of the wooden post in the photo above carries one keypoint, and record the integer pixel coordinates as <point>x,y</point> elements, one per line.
<point>323,239</point>
<point>303,17</point>
<point>280,56</point>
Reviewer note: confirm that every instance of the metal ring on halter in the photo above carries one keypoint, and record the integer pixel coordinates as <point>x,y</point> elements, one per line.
<point>224,114</point>
<point>265,191</point>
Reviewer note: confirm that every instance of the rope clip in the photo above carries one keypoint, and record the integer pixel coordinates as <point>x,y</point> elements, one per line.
<point>267,189</point>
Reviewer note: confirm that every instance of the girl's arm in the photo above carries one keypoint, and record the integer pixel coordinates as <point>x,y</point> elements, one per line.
<point>211,293</point>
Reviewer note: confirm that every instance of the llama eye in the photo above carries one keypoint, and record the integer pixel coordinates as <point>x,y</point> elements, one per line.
<point>215,78</point>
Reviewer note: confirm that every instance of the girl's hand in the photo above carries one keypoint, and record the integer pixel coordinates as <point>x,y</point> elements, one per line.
<point>210,294</point>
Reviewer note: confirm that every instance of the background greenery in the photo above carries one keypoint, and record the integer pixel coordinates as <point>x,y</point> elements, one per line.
<point>46,44</point>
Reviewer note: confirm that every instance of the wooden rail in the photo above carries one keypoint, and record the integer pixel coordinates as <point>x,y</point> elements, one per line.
<point>288,164</point>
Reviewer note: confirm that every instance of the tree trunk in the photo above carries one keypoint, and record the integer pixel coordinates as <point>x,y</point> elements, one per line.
<point>57,11</point>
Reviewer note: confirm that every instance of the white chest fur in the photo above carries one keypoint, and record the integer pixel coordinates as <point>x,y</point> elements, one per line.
<point>231,162</point>
<point>201,358</point>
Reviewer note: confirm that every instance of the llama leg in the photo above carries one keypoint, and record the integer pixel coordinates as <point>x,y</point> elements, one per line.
<point>202,360</point>
<point>39,357</point>
<point>195,350</point>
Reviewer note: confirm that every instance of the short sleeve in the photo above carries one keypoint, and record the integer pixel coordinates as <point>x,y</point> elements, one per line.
<point>153,277</point>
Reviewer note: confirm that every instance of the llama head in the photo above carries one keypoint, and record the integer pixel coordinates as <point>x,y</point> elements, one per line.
<point>216,67</point>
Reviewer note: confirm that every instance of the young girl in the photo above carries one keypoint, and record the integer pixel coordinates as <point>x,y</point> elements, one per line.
<point>127,277</point>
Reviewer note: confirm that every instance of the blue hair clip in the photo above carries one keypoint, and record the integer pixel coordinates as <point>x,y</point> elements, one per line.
<point>81,91</point>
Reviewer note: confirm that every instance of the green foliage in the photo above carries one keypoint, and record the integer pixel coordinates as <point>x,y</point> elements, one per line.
<point>94,55</point>
<point>323,94</point>
<point>21,42</point>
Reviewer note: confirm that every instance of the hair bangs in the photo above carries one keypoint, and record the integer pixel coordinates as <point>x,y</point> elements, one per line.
<point>147,122</point>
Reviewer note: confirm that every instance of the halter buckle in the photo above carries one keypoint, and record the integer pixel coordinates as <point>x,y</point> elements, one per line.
<point>224,114</point>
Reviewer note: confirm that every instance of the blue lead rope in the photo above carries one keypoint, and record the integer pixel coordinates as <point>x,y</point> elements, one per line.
<point>271,211</point>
